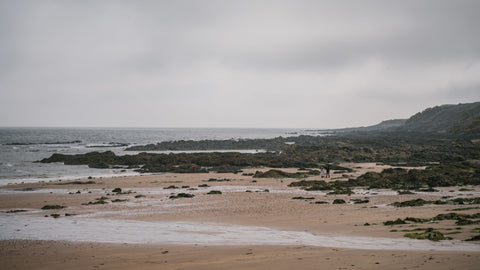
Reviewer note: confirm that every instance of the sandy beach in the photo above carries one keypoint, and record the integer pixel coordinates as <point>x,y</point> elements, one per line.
<point>253,224</point>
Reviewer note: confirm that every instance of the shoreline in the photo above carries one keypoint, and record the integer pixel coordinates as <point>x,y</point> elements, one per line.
<point>248,213</point>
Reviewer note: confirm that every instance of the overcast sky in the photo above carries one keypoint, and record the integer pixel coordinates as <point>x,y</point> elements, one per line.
<point>293,64</point>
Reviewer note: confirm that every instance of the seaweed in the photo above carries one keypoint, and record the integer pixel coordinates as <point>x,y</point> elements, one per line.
<point>303,198</point>
<point>464,221</point>
<point>321,202</point>
<point>214,192</point>
<point>77,183</point>
<point>421,202</point>
<point>417,220</point>
<point>274,174</point>
<point>16,211</point>
<point>428,234</point>
<point>461,219</point>
<point>360,201</point>
<point>54,207</point>
<point>394,222</point>
<point>340,191</point>
<point>410,203</point>
<point>95,202</point>
<point>181,195</point>
<point>474,238</point>
<point>218,180</point>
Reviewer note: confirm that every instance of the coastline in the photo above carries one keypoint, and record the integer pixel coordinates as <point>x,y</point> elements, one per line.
<point>244,204</point>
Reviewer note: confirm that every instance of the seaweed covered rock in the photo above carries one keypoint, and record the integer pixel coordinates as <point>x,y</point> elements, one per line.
<point>474,238</point>
<point>303,198</point>
<point>182,195</point>
<point>410,203</point>
<point>99,160</point>
<point>271,174</point>
<point>394,222</point>
<point>428,234</point>
<point>311,185</point>
<point>117,190</point>
<point>54,207</point>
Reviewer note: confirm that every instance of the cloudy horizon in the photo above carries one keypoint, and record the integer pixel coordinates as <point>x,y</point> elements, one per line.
<point>264,64</point>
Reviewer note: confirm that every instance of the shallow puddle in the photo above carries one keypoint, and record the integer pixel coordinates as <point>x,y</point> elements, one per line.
<point>191,233</point>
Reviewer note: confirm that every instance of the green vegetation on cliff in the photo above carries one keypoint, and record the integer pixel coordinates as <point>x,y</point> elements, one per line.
<point>462,119</point>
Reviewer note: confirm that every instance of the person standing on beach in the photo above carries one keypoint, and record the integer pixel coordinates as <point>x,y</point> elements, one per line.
<point>328,172</point>
<point>322,172</point>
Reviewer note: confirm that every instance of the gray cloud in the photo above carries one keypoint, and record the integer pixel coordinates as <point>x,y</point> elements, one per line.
<point>234,63</point>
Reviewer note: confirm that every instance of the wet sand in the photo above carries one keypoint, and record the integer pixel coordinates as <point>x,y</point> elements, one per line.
<point>69,255</point>
<point>293,228</point>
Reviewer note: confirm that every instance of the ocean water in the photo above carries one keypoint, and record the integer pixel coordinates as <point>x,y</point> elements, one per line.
<point>21,147</point>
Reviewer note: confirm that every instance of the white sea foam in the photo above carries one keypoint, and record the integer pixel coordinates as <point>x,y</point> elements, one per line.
<point>191,233</point>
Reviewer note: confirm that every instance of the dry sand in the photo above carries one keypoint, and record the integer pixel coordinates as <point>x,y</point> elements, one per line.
<point>274,210</point>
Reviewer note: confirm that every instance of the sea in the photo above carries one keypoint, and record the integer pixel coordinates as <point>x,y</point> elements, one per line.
<point>21,147</point>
